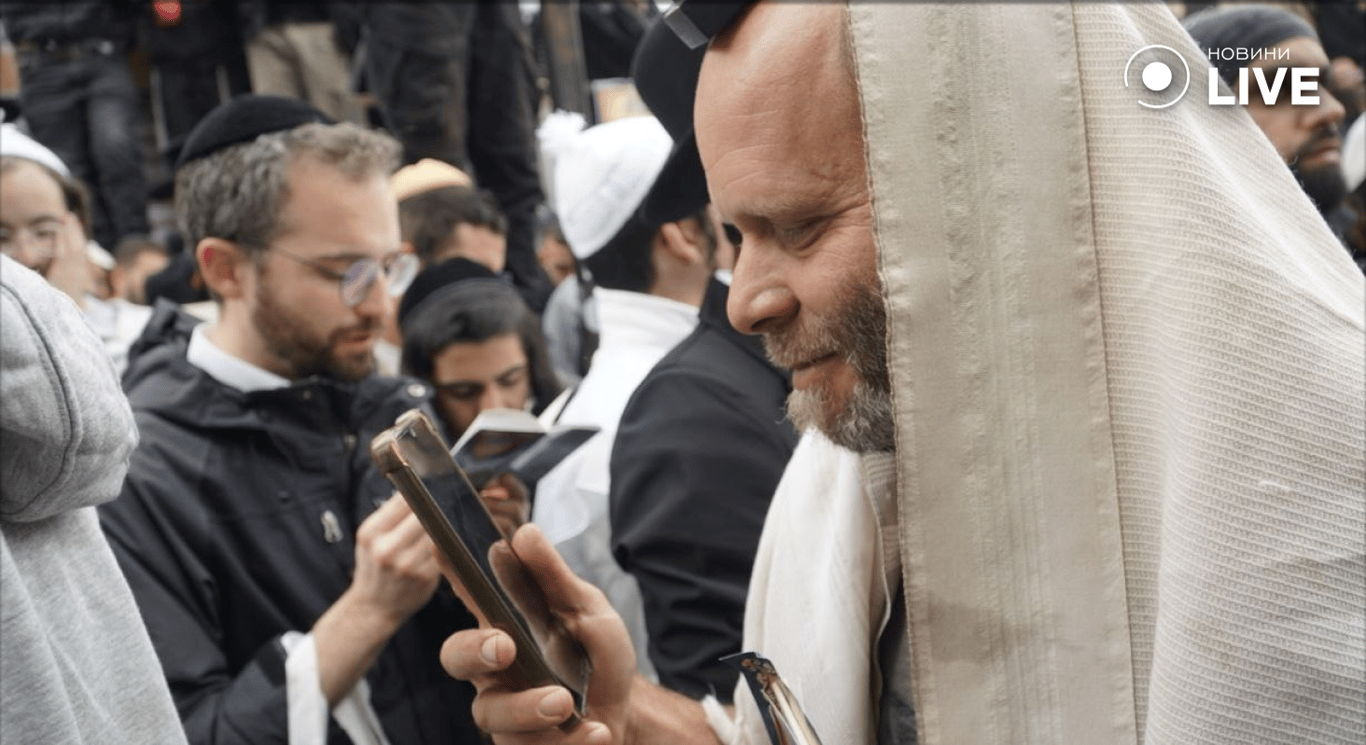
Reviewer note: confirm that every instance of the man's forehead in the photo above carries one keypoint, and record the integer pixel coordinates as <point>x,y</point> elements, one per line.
<point>1300,51</point>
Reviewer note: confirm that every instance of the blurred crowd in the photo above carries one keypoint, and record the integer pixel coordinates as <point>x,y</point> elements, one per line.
<point>381,206</point>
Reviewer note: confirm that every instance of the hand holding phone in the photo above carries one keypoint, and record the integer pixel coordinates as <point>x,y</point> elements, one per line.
<point>491,575</point>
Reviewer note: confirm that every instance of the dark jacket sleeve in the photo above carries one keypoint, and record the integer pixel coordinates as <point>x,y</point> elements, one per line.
<point>164,546</point>
<point>693,469</point>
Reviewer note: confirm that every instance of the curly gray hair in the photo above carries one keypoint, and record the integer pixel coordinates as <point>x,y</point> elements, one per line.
<point>237,193</point>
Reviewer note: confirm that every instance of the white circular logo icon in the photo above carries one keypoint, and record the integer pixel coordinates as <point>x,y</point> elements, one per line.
<point>1154,69</point>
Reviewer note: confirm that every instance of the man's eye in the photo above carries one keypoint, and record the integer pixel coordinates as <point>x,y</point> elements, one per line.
<point>462,391</point>
<point>732,234</point>
<point>797,237</point>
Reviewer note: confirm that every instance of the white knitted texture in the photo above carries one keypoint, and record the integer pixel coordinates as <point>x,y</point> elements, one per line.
<point>1129,366</point>
<point>1233,329</point>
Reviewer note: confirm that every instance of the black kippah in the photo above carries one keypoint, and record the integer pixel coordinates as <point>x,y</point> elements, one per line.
<point>437,277</point>
<point>1250,27</point>
<point>244,119</point>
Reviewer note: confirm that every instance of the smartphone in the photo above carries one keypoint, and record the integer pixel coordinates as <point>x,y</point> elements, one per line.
<point>474,537</point>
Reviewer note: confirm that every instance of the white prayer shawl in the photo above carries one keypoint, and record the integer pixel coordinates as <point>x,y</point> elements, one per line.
<point>818,597</point>
<point>1127,358</point>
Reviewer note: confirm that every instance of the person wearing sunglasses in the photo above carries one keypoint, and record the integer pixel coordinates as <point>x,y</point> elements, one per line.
<point>287,594</point>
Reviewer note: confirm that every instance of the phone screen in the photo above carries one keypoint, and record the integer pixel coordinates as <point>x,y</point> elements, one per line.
<point>473,534</point>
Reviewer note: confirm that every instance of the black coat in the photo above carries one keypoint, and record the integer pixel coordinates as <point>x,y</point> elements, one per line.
<point>699,451</point>
<point>237,523</point>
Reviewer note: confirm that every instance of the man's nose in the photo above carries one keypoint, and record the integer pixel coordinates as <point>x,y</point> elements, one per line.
<point>760,298</point>
<point>1329,112</point>
<point>375,303</point>
<point>492,398</point>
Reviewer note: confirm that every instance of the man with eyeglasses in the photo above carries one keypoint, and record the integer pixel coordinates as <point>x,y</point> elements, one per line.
<point>288,596</point>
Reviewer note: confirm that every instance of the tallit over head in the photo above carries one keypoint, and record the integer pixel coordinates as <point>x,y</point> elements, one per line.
<point>1127,360</point>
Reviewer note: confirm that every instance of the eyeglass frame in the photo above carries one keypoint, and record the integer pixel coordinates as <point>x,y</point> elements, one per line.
<point>394,286</point>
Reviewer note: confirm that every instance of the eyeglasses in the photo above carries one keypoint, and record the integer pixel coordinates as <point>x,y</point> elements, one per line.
<point>355,283</point>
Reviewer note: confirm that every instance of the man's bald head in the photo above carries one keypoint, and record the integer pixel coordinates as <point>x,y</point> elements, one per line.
<point>780,133</point>
<point>776,47</point>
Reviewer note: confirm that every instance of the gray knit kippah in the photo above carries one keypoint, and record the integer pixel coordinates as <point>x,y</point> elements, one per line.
<point>1250,27</point>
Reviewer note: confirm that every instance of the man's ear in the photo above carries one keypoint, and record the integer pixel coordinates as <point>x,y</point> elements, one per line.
<point>221,265</point>
<point>683,241</point>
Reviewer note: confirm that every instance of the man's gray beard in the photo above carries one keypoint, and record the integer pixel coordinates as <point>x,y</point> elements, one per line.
<point>858,331</point>
<point>865,425</point>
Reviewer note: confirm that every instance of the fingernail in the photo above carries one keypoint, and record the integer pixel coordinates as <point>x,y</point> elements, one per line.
<point>552,706</point>
<point>598,735</point>
<point>489,651</point>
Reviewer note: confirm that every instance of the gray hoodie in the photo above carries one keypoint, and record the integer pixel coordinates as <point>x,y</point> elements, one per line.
<point>76,665</point>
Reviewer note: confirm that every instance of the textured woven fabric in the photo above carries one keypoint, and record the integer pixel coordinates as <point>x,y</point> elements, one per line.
<point>1128,368</point>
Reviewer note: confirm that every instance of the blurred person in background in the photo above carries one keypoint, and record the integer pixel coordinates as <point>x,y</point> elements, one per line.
<point>1307,137</point>
<point>136,258</point>
<point>649,279</point>
<point>552,251</point>
<point>79,99</point>
<point>456,82</point>
<point>442,215</point>
<point>197,61</point>
<point>470,335</point>
<point>44,214</point>
<point>302,49</point>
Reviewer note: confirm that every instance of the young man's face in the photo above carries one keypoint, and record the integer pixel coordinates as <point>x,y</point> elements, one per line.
<point>296,309</point>
<point>476,243</point>
<point>780,134</point>
<point>470,377</point>
<point>32,211</point>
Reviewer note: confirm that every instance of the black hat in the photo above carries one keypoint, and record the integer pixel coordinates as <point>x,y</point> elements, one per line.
<point>244,119</point>
<point>437,277</point>
<point>665,70</point>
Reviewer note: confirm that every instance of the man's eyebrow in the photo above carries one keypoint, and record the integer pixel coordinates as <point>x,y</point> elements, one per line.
<point>354,255</point>
<point>766,211</point>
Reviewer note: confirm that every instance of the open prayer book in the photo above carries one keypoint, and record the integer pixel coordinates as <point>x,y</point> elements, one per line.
<point>513,441</point>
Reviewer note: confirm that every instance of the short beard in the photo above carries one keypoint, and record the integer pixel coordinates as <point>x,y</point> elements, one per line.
<point>288,340</point>
<point>858,331</point>
<point>1324,185</point>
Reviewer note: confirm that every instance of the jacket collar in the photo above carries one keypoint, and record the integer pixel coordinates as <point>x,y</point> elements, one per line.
<point>228,369</point>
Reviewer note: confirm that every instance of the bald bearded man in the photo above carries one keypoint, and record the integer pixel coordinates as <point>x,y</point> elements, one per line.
<point>1126,438</point>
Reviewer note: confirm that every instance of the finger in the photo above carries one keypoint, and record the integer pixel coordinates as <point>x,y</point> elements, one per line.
<point>498,710</point>
<point>566,594</point>
<point>514,486</point>
<point>495,493</point>
<point>389,514</point>
<point>476,653</point>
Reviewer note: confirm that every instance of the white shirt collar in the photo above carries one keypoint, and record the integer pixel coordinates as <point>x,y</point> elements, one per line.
<point>636,320</point>
<point>231,371</point>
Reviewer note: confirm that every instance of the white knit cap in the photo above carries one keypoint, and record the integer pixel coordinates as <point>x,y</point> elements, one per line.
<point>14,143</point>
<point>602,175</point>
